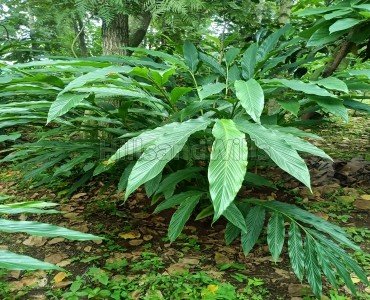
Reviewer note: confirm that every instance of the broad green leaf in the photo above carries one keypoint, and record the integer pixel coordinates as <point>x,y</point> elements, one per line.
<point>302,145</point>
<point>333,106</point>
<point>122,184</point>
<point>210,89</point>
<point>251,97</point>
<point>177,200</point>
<point>333,83</point>
<point>275,235</point>
<point>362,6</point>
<point>164,149</point>
<point>98,74</point>
<point>212,63</point>
<point>231,233</point>
<point>43,229</point>
<point>315,11</point>
<point>304,216</point>
<point>191,56</point>
<point>295,250</point>
<point>205,212</point>
<point>290,105</point>
<point>257,180</point>
<point>64,103</point>
<point>321,37</point>
<point>338,13</point>
<point>249,61</point>
<point>141,142</point>
<point>178,92</point>
<point>270,42</point>
<point>37,207</point>
<point>228,164</point>
<point>180,217</point>
<point>254,219</point>
<point>324,261</point>
<point>284,155</point>
<point>312,267</point>
<point>307,88</point>
<point>231,54</point>
<point>343,24</point>
<point>234,215</point>
<point>363,72</point>
<point>356,105</point>
<point>152,185</point>
<point>173,179</point>
<point>12,261</point>
<point>10,137</point>
<point>294,131</point>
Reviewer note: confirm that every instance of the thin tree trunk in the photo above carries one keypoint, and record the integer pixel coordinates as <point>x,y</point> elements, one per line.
<point>285,10</point>
<point>137,36</point>
<point>82,37</point>
<point>115,35</point>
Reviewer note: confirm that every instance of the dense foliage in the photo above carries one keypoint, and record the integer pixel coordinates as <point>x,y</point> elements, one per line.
<point>187,124</point>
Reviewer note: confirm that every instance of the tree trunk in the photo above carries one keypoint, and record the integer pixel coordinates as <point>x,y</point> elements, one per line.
<point>82,37</point>
<point>115,35</point>
<point>285,10</point>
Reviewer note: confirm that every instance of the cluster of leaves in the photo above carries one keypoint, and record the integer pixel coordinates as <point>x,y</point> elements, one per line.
<point>13,261</point>
<point>144,119</point>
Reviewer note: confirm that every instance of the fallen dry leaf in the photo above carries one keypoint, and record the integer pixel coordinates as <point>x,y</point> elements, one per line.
<point>59,277</point>
<point>37,241</point>
<point>77,196</point>
<point>365,197</point>
<point>87,248</point>
<point>64,263</point>
<point>55,258</point>
<point>135,242</point>
<point>177,268</point>
<point>56,241</point>
<point>221,259</point>
<point>62,284</point>
<point>147,237</point>
<point>189,261</point>
<point>129,235</point>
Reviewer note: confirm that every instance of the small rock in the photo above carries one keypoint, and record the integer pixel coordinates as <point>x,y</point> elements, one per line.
<point>55,258</point>
<point>147,237</point>
<point>135,242</point>
<point>87,248</point>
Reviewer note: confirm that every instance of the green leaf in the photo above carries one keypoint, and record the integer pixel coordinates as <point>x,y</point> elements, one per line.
<point>210,89</point>
<point>312,266</point>
<point>321,37</point>
<point>191,56</point>
<point>141,142</point>
<point>122,184</point>
<point>249,61</point>
<point>212,63</point>
<point>180,217</point>
<point>337,13</point>
<point>228,164</point>
<point>343,24</point>
<point>234,215</point>
<point>231,233</point>
<point>165,148</point>
<point>12,261</point>
<point>284,155</point>
<point>251,97</point>
<point>307,88</point>
<point>333,83</point>
<point>178,92</point>
<point>10,137</point>
<point>302,145</point>
<point>205,212</point>
<point>177,200</point>
<point>43,229</point>
<point>231,54</point>
<point>37,207</point>
<point>333,106</point>
<point>254,219</point>
<point>363,72</point>
<point>152,185</point>
<point>290,105</point>
<point>276,235</point>
<point>270,42</point>
<point>295,250</point>
<point>173,179</point>
<point>98,74</point>
<point>64,103</point>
